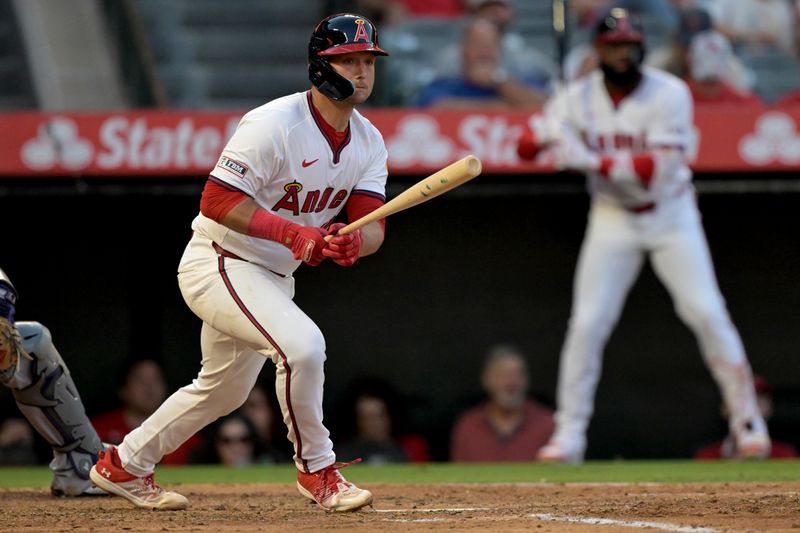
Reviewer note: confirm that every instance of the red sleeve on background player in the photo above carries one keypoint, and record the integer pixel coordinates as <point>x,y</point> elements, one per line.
<point>362,203</point>
<point>643,165</point>
<point>527,146</point>
<point>218,200</point>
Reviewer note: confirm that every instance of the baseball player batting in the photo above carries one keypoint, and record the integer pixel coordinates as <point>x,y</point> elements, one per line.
<point>290,168</point>
<point>44,391</point>
<point>629,129</point>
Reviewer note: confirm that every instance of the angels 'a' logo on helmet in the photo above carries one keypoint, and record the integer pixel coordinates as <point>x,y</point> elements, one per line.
<point>361,32</point>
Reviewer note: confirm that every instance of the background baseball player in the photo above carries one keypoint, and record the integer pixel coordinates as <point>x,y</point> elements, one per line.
<point>291,166</point>
<point>629,129</point>
<point>44,391</point>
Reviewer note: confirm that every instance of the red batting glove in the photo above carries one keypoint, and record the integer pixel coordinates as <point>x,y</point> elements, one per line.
<point>306,243</point>
<point>528,146</point>
<point>343,249</point>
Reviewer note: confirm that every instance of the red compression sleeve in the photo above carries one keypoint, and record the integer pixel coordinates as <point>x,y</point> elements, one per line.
<point>644,165</point>
<point>361,204</point>
<point>606,163</point>
<point>265,225</point>
<point>217,201</point>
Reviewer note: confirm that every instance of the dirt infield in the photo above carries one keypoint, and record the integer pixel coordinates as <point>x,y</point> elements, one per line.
<point>702,508</point>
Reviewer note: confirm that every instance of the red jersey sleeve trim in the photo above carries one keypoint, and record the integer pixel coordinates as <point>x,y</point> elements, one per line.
<point>362,203</point>
<point>225,184</point>
<point>218,199</point>
<point>371,194</point>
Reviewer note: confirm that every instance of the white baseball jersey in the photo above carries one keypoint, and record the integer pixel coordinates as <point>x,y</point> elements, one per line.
<point>281,158</point>
<point>658,114</point>
<point>631,222</point>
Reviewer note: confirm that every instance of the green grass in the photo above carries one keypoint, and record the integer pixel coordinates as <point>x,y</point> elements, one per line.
<point>591,472</point>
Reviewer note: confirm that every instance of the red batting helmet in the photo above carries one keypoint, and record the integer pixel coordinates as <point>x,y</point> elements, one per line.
<point>619,26</point>
<point>339,34</point>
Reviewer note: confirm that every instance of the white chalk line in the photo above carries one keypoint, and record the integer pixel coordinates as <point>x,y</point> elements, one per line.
<point>624,523</point>
<point>415,520</point>
<point>442,510</point>
<point>550,518</point>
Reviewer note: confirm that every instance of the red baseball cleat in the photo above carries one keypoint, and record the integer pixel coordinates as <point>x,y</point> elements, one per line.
<point>109,475</point>
<point>331,491</point>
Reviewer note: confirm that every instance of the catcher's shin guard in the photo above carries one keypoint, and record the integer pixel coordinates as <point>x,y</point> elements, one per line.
<point>47,396</point>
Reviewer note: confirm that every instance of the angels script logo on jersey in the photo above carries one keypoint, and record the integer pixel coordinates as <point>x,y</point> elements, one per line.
<point>311,202</point>
<point>232,166</point>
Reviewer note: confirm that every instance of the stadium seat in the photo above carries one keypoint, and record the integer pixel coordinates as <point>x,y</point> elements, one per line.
<point>232,54</point>
<point>776,72</point>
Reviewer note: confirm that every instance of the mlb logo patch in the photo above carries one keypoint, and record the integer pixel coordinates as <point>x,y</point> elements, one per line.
<point>233,166</point>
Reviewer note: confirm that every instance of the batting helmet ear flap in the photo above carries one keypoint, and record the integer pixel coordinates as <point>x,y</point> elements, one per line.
<point>342,33</point>
<point>328,81</point>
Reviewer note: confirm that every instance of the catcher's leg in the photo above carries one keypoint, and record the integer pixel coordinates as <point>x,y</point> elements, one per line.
<point>45,393</point>
<point>683,263</point>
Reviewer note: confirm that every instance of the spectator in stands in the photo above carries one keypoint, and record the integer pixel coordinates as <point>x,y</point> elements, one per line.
<point>371,426</point>
<point>17,443</point>
<point>391,13</point>
<point>585,12</point>
<point>484,81</point>
<point>709,59</point>
<point>262,410</point>
<point>433,8</point>
<point>384,13</point>
<point>755,26</point>
<point>231,441</point>
<point>519,59</point>
<point>141,391</point>
<point>726,448</point>
<point>508,426</point>
<point>674,56</point>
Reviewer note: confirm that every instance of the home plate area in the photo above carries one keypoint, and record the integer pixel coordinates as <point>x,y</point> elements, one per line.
<point>698,508</point>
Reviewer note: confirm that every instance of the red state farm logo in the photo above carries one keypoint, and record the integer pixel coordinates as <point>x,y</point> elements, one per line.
<point>775,140</point>
<point>57,143</point>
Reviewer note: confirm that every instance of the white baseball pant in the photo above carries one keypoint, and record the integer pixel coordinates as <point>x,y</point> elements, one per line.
<point>248,315</point>
<point>613,252</point>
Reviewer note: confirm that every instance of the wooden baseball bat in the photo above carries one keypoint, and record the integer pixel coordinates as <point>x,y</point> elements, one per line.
<point>437,183</point>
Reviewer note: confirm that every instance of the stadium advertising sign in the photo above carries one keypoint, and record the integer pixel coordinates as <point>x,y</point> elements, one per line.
<point>172,143</point>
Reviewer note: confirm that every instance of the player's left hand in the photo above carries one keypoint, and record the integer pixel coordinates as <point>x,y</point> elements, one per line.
<point>342,249</point>
<point>306,243</point>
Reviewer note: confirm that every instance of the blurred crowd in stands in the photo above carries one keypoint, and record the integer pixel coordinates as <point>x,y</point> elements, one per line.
<point>728,51</point>
<point>370,421</point>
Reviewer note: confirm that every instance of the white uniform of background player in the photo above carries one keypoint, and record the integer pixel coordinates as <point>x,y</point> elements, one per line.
<point>631,132</point>
<point>286,165</point>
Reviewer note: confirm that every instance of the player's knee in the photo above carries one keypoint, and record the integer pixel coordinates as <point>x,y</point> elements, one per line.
<point>305,351</point>
<point>590,324</point>
<point>703,315</point>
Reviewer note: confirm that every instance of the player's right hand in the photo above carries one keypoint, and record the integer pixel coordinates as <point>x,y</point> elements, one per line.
<point>571,153</point>
<point>306,243</point>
